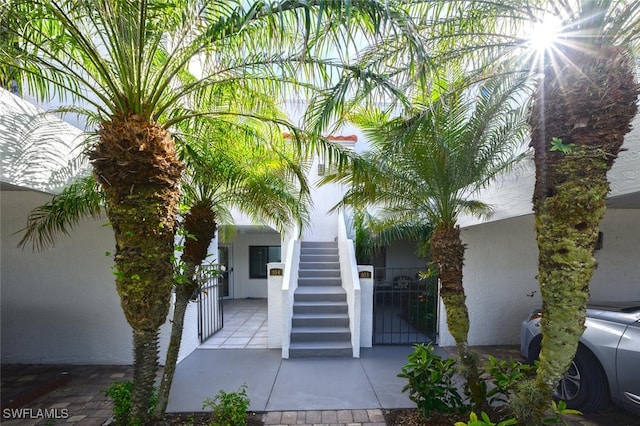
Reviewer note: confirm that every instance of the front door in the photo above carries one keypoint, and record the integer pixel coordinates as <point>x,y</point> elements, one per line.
<point>225,261</point>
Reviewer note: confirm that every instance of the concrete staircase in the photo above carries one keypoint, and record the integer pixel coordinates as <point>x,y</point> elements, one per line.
<point>320,322</point>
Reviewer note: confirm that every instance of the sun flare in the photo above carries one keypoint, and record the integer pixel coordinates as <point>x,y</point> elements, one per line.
<point>545,33</point>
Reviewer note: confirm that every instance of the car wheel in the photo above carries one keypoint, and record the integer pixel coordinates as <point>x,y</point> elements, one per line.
<point>584,387</point>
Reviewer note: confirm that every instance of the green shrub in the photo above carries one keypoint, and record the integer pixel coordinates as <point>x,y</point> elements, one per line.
<point>120,394</point>
<point>229,408</point>
<point>430,382</point>
<point>504,376</point>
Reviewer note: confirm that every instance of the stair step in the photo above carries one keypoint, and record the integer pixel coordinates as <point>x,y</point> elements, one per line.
<point>319,307</point>
<point>320,350</point>
<point>319,244</point>
<point>329,273</point>
<point>319,258</point>
<point>320,319</point>
<point>320,334</point>
<point>319,281</point>
<point>320,293</point>
<point>319,265</point>
<point>319,252</point>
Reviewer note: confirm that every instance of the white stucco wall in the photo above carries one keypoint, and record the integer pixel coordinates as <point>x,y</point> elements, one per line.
<point>501,266</point>
<point>61,305</point>
<point>243,286</point>
<point>323,225</point>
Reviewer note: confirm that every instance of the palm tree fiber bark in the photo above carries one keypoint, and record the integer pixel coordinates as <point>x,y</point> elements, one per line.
<point>135,163</point>
<point>447,251</point>
<point>587,104</point>
<point>145,368</point>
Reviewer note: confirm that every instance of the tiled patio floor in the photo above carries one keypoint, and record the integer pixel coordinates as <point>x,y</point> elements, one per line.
<point>245,326</point>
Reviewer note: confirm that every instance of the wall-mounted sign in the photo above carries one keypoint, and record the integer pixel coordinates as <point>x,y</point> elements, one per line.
<point>275,272</point>
<point>364,274</point>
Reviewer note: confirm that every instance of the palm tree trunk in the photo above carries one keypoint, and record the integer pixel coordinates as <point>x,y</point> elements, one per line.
<point>135,163</point>
<point>145,368</point>
<point>447,251</point>
<point>587,106</point>
<point>184,292</point>
<point>200,226</point>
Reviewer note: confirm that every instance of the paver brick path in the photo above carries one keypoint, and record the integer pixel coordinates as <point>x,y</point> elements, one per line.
<point>79,399</point>
<point>74,394</point>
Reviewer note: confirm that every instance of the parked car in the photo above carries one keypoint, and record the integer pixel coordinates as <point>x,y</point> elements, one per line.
<point>607,363</point>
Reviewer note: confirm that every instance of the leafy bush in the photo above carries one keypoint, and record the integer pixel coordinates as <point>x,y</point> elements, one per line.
<point>229,408</point>
<point>120,394</point>
<point>431,387</point>
<point>504,376</point>
<point>431,384</point>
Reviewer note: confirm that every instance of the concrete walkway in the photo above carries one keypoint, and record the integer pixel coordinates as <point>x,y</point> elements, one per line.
<point>289,392</point>
<point>276,384</point>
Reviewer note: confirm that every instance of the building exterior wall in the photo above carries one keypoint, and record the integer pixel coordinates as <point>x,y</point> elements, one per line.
<point>243,286</point>
<point>61,305</point>
<point>501,267</point>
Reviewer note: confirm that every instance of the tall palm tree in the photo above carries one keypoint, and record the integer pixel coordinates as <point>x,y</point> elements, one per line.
<point>137,69</point>
<point>584,104</point>
<point>424,169</point>
<point>583,107</point>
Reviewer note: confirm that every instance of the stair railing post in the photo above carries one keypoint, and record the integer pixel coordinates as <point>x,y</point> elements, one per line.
<point>350,283</point>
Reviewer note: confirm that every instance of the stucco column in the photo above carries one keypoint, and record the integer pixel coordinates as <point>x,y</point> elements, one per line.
<point>275,275</point>
<point>365,274</point>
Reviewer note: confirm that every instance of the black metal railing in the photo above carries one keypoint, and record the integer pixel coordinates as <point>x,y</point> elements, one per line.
<point>405,306</point>
<point>210,312</point>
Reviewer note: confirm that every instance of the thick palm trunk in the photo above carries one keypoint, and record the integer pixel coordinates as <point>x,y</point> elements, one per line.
<point>447,251</point>
<point>587,105</point>
<point>200,226</point>
<point>135,163</point>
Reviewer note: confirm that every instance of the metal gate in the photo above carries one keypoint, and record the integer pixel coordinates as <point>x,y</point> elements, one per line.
<point>210,315</point>
<point>405,306</point>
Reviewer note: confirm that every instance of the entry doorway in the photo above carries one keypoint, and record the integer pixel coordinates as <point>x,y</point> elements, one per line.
<point>225,260</point>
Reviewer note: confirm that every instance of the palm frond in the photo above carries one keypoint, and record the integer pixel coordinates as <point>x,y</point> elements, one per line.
<point>45,224</point>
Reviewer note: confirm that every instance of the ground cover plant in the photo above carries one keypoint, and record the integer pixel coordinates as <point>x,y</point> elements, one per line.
<point>434,384</point>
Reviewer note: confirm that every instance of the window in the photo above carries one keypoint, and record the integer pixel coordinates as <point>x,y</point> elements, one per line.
<point>259,256</point>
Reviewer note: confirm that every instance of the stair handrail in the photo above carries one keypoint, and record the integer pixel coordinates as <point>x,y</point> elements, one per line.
<point>289,285</point>
<point>350,283</point>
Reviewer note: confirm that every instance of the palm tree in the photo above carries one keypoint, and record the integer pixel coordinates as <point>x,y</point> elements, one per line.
<point>137,69</point>
<point>239,170</point>
<point>583,107</point>
<point>424,169</point>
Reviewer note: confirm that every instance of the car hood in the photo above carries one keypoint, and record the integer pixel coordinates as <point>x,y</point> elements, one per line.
<point>620,312</point>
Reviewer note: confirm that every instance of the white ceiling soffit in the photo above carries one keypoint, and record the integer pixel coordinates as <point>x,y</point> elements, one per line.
<point>35,147</point>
